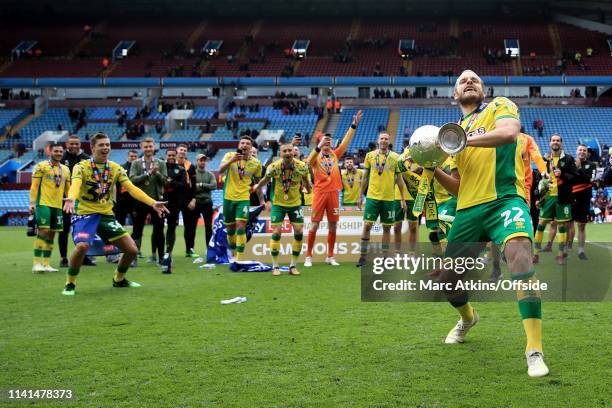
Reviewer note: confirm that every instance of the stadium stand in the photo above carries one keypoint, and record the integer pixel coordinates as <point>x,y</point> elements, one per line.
<point>14,201</point>
<point>183,135</point>
<point>9,117</point>
<point>260,48</point>
<point>203,112</point>
<point>372,122</point>
<point>49,120</point>
<point>111,129</point>
<point>5,154</point>
<point>110,112</point>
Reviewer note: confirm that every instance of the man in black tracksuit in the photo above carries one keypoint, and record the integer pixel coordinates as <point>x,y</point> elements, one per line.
<point>189,202</point>
<point>205,183</point>
<point>174,193</point>
<point>583,192</point>
<point>72,155</point>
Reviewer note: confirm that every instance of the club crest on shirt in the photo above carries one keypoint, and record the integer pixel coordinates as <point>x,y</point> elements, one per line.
<point>480,131</point>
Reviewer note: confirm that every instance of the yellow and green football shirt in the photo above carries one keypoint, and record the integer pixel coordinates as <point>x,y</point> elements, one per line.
<point>488,174</point>
<point>352,192</point>
<point>441,194</point>
<point>239,177</point>
<point>382,186</point>
<point>298,176</point>
<point>49,193</point>
<point>89,199</point>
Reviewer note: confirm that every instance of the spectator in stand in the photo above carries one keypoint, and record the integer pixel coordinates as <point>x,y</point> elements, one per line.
<point>338,105</point>
<point>538,125</point>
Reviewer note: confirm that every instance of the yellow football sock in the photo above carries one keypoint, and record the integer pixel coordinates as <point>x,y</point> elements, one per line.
<point>275,248</point>
<point>296,247</point>
<point>240,243</point>
<point>39,244</point>
<point>466,311</point>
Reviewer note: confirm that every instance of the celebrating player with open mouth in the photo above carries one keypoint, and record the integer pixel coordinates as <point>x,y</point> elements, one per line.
<point>90,198</point>
<point>491,206</point>
<point>288,175</point>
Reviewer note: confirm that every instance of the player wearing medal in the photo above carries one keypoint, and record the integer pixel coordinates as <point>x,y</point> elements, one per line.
<point>327,183</point>
<point>557,204</point>
<point>90,198</point>
<point>490,190</point>
<point>50,182</point>
<point>352,178</point>
<point>288,176</point>
<point>382,173</point>
<point>241,171</point>
<point>149,174</point>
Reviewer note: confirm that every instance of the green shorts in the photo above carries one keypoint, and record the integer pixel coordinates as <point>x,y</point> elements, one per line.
<point>277,214</point>
<point>350,204</point>
<point>235,210</point>
<point>400,214</point>
<point>49,218</point>
<point>496,221</point>
<point>375,208</point>
<point>552,210</point>
<point>447,210</point>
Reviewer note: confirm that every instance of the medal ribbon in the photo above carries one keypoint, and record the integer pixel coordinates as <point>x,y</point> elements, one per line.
<point>147,172</point>
<point>473,118</point>
<point>240,169</point>
<point>350,178</point>
<point>103,183</point>
<point>381,167</point>
<point>286,178</point>
<point>56,176</point>
<point>328,163</point>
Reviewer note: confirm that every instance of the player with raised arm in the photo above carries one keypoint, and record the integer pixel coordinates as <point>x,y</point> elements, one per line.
<point>90,199</point>
<point>491,206</point>
<point>50,183</point>
<point>242,170</point>
<point>288,176</point>
<point>324,162</point>
<point>382,174</point>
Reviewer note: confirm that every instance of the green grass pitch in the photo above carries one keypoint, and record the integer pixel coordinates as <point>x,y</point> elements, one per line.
<point>303,341</point>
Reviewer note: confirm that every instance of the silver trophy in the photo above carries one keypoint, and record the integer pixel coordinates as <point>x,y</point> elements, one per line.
<point>431,145</point>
